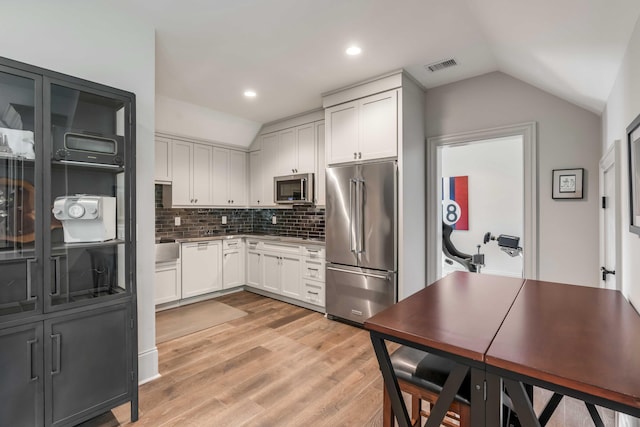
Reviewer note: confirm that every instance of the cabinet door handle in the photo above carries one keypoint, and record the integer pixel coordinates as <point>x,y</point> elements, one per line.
<point>196,200</point>
<point>57,265</point>
<point>30,344</point>
<point>355,155</point>
<point>359,155</point>
<point>30,263</point>
<point>56,357</point>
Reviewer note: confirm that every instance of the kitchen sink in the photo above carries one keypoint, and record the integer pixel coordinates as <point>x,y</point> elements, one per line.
<point>167,250</point>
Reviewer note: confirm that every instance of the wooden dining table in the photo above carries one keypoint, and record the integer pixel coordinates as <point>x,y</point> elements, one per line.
<point>511,333</point>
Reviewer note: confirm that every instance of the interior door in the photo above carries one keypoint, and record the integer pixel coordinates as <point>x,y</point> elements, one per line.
<point>608,235</point>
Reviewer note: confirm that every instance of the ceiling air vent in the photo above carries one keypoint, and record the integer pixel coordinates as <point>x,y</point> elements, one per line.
<point>436,66</point>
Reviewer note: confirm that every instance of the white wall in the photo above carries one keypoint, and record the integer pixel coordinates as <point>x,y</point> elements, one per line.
<point>622,107</point>
<point>568,137</point>
<point>495,171</point>
<point>87,40</point>
<point>184,119</point>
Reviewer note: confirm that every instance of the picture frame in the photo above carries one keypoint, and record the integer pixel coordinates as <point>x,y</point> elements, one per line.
<point>633,141</point>
<point>567,183</point>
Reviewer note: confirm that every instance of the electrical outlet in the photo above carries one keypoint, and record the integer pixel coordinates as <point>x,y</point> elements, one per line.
<point>224,220</point>
<point>274,220</point>
<point>176,220</point>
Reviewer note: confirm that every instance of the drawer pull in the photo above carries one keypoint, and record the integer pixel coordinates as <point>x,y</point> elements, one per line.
<point>312,293</point>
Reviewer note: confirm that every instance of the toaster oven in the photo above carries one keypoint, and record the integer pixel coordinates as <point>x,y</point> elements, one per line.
<point>87,147</point>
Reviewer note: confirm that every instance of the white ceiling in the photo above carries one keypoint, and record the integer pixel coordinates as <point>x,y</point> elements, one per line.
<point>291,51</point>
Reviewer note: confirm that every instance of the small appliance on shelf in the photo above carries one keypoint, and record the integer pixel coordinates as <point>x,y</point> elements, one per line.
<point>86,218</point>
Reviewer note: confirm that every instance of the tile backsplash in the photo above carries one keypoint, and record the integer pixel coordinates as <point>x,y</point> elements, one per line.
<point>299,221</point>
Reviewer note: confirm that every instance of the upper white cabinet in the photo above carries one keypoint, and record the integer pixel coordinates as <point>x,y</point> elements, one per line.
<point>321,164</point>
<point>163,161</point>
<point>270,167</point>
<point>200,174</point>
<point>229,177</point>
<point>191,172</point>
<point>289,151</point>
<point>255,179</point>
<point>305,149</point>
<point>363,129</point>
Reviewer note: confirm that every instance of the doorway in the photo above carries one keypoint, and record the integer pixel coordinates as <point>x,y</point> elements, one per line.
<point>486,203</point>
<point>467,151</point>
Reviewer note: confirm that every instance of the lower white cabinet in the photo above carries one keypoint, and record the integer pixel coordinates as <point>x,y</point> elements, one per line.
<point>232,263</point>
<point>292,270</point>
<point>168,282</point>
<point>254,264</point>
<point>201,269</point>
<point>313,292</point>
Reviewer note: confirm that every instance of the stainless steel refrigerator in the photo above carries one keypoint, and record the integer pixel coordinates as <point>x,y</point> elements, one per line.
<point>361,239</point>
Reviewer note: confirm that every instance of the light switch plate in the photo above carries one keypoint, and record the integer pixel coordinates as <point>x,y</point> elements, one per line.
<point>177,220</point>
<point>224,219</point>
<point>274,220</point>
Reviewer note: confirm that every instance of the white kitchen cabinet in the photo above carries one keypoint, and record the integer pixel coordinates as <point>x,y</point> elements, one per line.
<point>238,178</point>
<point>192,166</point>
<point>363,129</point>
<point>287,152</point>
<point>168,282</point>
<point>271,272</point>
<point>269,167</point>
<point>162,161</point>
<point>281,269</point>
<point>313,292</point>
<point>254,264</point>
<point>321,165</point>
<point>282,274</point>
<point>290,275</point>
<point>305,149</point>
<point>255,181</point>
<point>201,269</point>
<point>229,177</point>
<point>232,263</point>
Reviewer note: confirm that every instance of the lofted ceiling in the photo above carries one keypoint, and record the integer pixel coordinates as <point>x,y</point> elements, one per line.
<point>208,52</point>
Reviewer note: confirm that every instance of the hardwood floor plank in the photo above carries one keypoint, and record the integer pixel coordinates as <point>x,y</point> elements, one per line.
<point>280,365</point>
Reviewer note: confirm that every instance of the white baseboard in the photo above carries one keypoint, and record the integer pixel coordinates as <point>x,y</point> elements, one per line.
<point>148,366</point>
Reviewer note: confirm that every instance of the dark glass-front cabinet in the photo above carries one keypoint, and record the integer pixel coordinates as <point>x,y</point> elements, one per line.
<point>68,329</point>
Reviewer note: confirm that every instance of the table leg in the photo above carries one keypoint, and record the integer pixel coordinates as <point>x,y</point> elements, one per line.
<point>521,403</point>
<point>390,381</point>
<point>493,398</point>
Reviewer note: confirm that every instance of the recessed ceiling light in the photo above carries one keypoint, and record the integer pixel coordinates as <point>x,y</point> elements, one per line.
<point>249,94</point>
<point>353,50</point>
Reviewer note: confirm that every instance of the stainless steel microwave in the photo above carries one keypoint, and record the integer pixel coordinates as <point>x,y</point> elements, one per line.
<point>293,189</point>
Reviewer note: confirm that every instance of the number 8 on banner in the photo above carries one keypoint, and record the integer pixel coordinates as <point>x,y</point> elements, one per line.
<point>450,212</point>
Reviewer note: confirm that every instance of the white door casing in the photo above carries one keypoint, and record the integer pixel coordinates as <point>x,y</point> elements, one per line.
<point>610,216</point>
<point>434,213</point>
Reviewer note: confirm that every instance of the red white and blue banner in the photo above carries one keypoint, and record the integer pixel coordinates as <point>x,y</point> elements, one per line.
<point>455,202</point>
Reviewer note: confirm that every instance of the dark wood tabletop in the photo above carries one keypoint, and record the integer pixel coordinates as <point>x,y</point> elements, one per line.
<point>458,314</point>
<point>585,339</point>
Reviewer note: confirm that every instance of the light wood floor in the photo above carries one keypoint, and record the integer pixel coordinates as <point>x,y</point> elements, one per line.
<point>280,365</point>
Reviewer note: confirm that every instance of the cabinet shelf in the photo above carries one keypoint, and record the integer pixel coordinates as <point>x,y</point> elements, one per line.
<point>17,307</point>
<point>17,255</point>
<point>87,166</point>
<point>61,247</point>
<point>100,292</point>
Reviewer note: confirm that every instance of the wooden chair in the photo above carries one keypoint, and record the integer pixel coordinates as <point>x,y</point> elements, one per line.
<point>422,375</point>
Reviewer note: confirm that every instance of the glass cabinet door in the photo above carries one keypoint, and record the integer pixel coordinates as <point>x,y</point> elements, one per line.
<point>20,194</point>
<point>88,133</point>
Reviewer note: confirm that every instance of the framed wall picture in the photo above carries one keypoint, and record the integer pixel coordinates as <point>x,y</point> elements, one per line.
<point>633,138</point>
<point>567,183</point>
